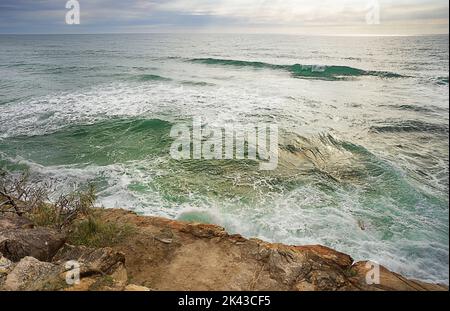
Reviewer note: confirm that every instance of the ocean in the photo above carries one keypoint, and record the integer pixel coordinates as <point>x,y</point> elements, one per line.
<point>363,141</point>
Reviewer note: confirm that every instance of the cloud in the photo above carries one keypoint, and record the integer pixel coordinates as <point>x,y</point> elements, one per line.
<point>318,16</point>
<point>307,11</point>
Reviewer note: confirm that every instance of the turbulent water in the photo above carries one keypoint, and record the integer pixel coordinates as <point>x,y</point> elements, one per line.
<point>363,124</point>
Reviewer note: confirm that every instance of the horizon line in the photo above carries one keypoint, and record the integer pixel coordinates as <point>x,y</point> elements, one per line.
<point>233,33</point>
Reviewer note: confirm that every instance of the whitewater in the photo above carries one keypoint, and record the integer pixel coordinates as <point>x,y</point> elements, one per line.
<point>363,133</point>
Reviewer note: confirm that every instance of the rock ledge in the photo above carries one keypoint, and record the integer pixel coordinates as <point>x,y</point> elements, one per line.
<point>164,254</point>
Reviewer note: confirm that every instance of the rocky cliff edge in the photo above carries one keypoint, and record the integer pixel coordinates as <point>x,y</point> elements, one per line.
<point>162,254</point>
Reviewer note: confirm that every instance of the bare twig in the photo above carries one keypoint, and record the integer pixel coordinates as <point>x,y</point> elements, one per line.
<point>32,198</point>
<point>11,201</point>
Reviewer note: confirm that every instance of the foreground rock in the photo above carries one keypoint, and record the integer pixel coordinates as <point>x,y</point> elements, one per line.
<point>98,269</point>
<point>162,254</point>
<point>30,274</point>
<point>19,238</point>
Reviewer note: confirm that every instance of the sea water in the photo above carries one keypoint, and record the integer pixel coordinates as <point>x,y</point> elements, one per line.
<point>363,133</point>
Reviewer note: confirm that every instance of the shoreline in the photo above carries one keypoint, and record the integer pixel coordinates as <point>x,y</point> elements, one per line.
<point>168,255</point>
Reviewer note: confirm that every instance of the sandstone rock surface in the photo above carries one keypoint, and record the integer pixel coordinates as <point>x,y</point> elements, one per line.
<point>163,254</point>
<point>171,255</point>
<point>30,274</point>
<point>20,238</point>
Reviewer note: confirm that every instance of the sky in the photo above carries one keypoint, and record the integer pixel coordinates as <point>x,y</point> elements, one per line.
<point>305,17</point>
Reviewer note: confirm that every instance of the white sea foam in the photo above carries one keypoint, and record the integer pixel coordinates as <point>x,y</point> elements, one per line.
<point>307,216</point>
<point>171,101</point>
<point>408,243</point>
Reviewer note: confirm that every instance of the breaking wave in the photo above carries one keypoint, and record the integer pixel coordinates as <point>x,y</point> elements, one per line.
<point>302,71</point>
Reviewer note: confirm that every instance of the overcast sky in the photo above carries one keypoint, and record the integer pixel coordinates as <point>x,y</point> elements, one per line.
<point>327,17</point>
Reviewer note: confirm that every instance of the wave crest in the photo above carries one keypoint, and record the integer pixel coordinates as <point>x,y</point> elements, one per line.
<point>302,71</point>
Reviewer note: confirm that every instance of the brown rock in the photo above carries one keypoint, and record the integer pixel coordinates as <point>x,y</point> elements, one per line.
<point>389,281</point>
<point>5,264</point>
<point>83,286</point>
<point>204,230</point>
<point>206,257</point>
<point>164,254</point>
<point>100,270</point>
<point>40,243</point>
<point>12,221</point>
<point>92,261</point>
<point>342,260</point>
<point>99,282</point>
<point>30,274</point>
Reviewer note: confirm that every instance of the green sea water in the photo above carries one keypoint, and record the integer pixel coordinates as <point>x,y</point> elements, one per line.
<point>363,125</point>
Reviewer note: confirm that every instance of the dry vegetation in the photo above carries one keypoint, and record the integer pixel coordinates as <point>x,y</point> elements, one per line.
<point>73,213</point>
